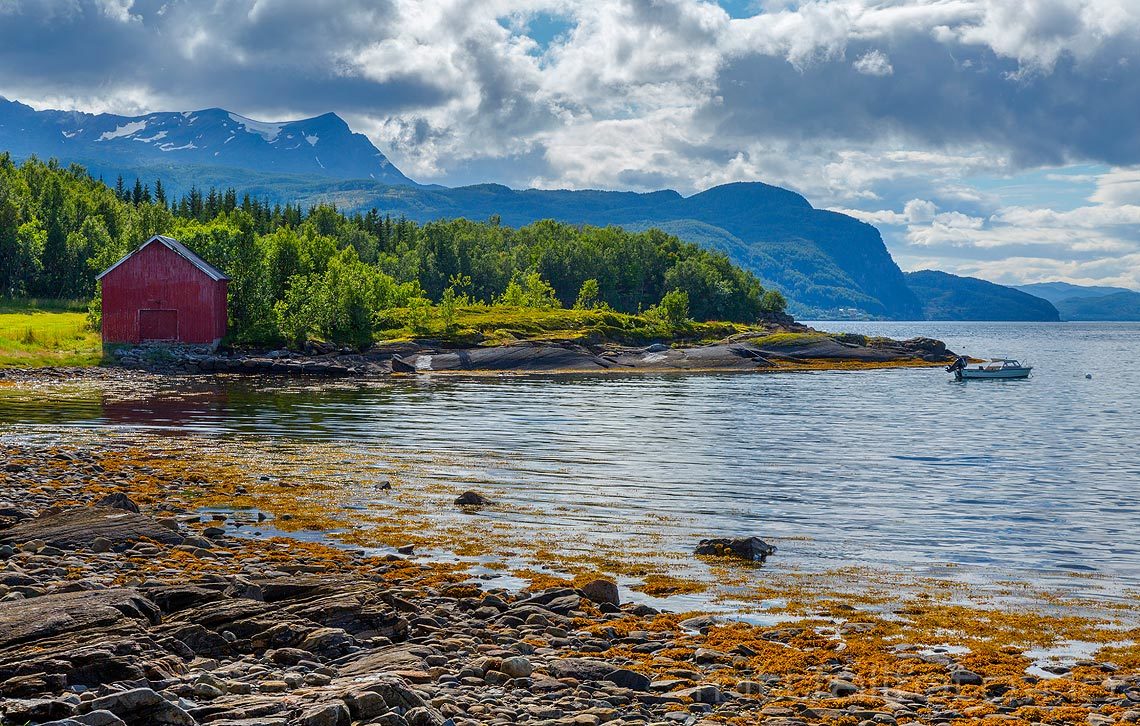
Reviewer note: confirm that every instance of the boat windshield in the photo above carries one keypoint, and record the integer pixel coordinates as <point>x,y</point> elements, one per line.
<point>998,364</point>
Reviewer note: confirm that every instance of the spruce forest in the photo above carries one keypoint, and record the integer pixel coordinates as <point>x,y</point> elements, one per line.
<point>300,274</point>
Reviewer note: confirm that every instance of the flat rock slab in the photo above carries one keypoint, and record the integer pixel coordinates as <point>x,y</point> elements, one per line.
<point>387,659</point>
<point>521,357</point>
<point>37,618</point>
<point>720,356</point>
<point>827,348</point>
<point>79,527</point>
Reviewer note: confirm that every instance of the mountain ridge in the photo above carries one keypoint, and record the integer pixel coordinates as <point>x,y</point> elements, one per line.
<point>223,138</point>
<point>1055,291</point>
<point>1088,303</point>
<point>827,264</point>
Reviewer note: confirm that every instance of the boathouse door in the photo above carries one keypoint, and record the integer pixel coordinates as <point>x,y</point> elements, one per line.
<point>158,325</point>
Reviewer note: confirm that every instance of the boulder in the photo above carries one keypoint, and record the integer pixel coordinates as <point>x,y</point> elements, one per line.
<point>143,706</point>
<point>395,692</point>
<point>327,642</point>
<point>963,677</point>
<point>581,669</point>
<point>399,365</point>
<point>472,499</point>
<point>118,500</point>
<point>752,549</point>
<point>516,667</point>
<point>36,710</point>
<point>364,705</point>
<point>602,591</point>
<point>708,693</point>
<point>325,714</point>
<point>840,688</point>
<point>424,716</point>
<point>626,678</point>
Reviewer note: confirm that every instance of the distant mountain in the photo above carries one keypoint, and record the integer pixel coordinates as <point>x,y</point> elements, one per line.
<point>827,264</point>
<point>1088,302</point>
<point>1055,292</point>
<point>950,297</point>
<point>323,146</point>
<point>1122,306</point>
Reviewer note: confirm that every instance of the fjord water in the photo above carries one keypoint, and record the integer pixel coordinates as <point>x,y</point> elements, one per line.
<point>894,470</point>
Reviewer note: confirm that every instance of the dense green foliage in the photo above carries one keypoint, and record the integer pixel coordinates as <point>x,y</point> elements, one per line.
<point>323,274</point>
<point>828,264</point>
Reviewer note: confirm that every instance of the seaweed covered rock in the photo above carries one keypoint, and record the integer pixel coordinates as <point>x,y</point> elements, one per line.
<point>472,499</point>
<point>752,549</point>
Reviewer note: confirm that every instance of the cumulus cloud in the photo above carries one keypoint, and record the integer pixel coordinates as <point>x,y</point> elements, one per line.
<point>1119,186</point>
<point>1096,242</point>
<point>863,105</point>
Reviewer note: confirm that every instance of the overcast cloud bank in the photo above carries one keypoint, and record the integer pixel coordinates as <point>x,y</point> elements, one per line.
<point>987,137</point>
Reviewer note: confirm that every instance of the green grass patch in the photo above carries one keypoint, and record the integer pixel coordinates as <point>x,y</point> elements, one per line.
<point>32,338</point>
<point>776,341</point>
<point>497,324</point>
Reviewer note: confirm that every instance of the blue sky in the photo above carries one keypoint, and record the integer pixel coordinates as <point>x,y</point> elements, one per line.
<point>994,138</point>
<point>740,8</point>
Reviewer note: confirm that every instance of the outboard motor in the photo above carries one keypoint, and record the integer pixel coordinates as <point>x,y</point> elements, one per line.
<point>957,365</point>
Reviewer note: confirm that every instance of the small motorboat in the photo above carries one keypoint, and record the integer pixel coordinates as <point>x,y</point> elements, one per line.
<point>998,368</point>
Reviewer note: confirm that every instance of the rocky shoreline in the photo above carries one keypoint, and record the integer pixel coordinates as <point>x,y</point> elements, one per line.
<point>761,351</point>
<point>111,613</point>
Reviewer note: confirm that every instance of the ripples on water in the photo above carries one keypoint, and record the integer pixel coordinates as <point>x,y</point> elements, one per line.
<point>891,470</point>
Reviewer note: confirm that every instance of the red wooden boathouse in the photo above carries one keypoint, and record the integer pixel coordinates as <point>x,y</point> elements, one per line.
<point>163,292</point>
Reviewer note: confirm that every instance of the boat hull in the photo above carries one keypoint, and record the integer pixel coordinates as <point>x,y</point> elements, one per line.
<point>1006,374</point>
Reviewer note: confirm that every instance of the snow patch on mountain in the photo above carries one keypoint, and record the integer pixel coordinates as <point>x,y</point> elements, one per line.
<point>125,130</point>
<point>195,137</point>
<point>267,131</point>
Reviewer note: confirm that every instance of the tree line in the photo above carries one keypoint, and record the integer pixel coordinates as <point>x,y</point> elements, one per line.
<point>298,274</point>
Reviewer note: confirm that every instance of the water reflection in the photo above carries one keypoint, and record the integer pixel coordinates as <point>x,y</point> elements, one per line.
<point>887,470</point>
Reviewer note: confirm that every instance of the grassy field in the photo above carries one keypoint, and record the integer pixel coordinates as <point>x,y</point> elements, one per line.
<point>35,334</point>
